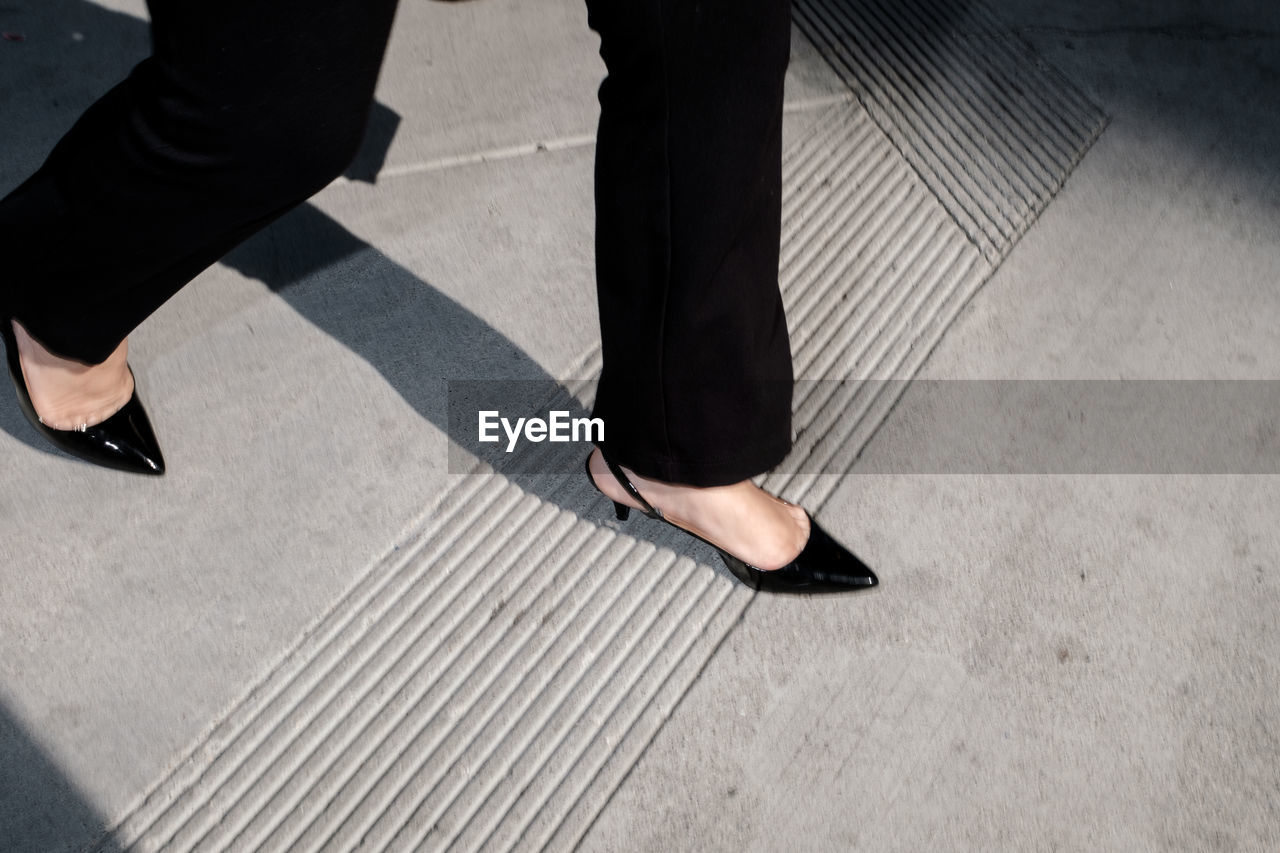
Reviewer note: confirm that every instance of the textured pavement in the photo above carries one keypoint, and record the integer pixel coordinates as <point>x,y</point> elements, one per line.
<point>313,634</point>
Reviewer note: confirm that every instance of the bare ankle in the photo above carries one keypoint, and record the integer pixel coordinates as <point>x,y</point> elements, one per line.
<point>741,518</point>
<point>69,394</point>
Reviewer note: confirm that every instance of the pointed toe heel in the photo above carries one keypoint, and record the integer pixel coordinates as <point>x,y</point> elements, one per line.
<point>823,566</point>
<point>125,441</point>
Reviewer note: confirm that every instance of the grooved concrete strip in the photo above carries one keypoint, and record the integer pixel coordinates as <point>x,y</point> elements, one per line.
<point>491,682</point>
<point>872,275</point>
<point>991,130</point>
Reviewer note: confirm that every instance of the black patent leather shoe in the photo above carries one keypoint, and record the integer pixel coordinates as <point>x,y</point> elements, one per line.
<point>823,566</point>
<point>124,441</point>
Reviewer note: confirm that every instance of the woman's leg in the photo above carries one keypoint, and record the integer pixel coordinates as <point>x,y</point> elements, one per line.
<point>696,385</point>
<point>243,111</point>
<point>696,389</point>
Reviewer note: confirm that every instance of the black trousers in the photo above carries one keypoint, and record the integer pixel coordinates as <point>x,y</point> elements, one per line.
<point>245,109</point>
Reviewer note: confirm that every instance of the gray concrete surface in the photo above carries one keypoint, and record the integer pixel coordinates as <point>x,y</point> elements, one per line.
<point>1052,663</point>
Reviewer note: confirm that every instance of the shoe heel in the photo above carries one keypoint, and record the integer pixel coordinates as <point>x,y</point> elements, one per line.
<point>622,511</point>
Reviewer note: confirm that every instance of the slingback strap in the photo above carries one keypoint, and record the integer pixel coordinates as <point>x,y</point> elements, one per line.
<point>645,507</point>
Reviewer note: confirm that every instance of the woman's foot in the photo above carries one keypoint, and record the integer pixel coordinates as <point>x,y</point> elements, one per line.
<point>764,531</point>
<point>89,411</point>
<point>68,394</point>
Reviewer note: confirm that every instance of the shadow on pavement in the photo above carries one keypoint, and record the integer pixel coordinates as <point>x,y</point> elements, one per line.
<point>40,810</point>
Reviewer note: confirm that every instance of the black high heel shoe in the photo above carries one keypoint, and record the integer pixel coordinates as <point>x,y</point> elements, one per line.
<point>823,566</point>
<point>124,441</point>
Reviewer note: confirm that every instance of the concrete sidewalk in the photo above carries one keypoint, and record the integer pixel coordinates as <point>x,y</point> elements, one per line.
<point>312,634</point>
